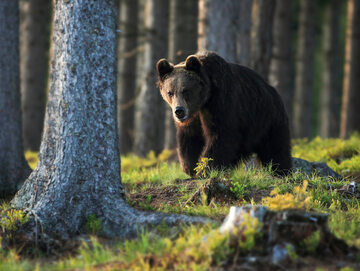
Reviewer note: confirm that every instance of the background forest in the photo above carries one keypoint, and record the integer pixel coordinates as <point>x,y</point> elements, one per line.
<point>306,49</point>
<point>78,80</point>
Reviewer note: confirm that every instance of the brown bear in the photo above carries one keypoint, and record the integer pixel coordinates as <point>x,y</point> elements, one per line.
<point>224,111</point>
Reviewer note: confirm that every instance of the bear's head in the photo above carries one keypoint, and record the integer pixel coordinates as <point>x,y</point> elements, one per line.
<point>184,87</point>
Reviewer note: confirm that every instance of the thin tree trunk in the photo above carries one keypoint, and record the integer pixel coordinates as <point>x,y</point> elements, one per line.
<point>150,123</point>
<point>281,63</point>
<point>78,173</point>
<point>244,33</point>
<point>350,112</point>
<point>35,41</point>
<point>182,42</point>
<point>218,27</point>
<point>127,73</point>
<point>304,69</point>
<point>261,36</point>
<point>13,168</point>
<point>329,117</point>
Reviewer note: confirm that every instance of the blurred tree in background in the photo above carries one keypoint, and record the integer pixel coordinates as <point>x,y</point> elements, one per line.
<point>13,167</point>
<point>350,114</point>
<point>182,42</point>
<point>35,28</point>
<point>127,52</point>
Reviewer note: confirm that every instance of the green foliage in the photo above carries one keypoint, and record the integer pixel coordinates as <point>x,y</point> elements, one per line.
<point>299,199</point>
<point>93,224</point>
<point>342,156</point>
<point>292,253</point>
<point>195,249</point>
<point>250,230</point>
<point>238,189</point>
<point>12,220</point>
<point>11,261</point>
<point>202,167</point>
<point>133,162</point>
<point>312,242</point>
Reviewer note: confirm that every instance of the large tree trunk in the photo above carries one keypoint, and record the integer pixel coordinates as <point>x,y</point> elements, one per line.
<point>350,112</point>
<point>150,122</point>
<point>329,113</point>
<point>281,74</point>
<point>35,40</point>
<point>127,73</point>
<point>182,42</point>
<point>261,36</point>
<point>218,27</point>
<point>78,173</point>
<point>244,33</point>
<point>13,168</point>
<point>304,69</point>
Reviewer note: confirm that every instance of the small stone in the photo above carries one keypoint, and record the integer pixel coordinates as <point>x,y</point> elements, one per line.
<point>280,254</point>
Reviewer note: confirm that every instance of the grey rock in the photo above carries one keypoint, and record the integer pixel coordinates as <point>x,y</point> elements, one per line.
<point>318,168</point>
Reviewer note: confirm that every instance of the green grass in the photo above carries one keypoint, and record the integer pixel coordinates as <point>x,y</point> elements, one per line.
<point>196,247</point>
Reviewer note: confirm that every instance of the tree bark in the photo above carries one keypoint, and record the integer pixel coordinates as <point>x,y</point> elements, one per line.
<point>261,36</point>
<point>304,69</point>
<point>281,69</point>
<point>150,122</point>
<point>78,173</point>
<point>35,42</point>
<point>244,33</point>
<point>13,168</point>
<point>350,112</point>
<point>329,113</point>
<point>182,42</point>
<point>127,73</point>
<point>218,27</point>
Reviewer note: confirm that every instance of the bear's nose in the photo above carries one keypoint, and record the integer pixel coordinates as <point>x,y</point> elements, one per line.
<point>180,112</point>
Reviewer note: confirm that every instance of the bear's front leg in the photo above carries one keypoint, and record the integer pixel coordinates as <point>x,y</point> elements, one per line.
<point>190,142</point>
<point>220,149</point>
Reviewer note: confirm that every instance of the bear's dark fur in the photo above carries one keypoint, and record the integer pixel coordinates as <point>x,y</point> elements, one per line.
<point>224,111</point>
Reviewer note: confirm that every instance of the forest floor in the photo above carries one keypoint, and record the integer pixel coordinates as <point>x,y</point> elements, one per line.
<point>156,183</point>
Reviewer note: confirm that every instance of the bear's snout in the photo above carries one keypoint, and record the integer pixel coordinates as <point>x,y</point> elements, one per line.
<point>180,113</point>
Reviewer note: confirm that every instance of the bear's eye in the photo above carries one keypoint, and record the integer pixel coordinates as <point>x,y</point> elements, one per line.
<point>170,94</point>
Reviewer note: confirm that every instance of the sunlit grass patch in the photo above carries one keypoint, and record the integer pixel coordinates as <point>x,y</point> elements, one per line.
<point>298,199</point>
<point>160,174</point>
<point>133,162</point>
<point>346,224</point>
<point>343,156</point>
<point>11,261</point>
<point>196,248</point>
<point>213,210</point>
<point>32,158</point>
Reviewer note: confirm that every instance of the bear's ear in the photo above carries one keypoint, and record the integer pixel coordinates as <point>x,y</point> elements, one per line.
<point>163,68</point>
<point>192,63</point>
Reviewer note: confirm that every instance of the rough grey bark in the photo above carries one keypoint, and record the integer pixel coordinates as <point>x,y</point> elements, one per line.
<point>78,173</point>
<point>182,42</point>
<point>35,39</point>
<point>218,27</point>
<point>150,122</point>
<point>329,113</point>
<point>281,62</point>
<point>13,168</point>
<point>244,33</point>
<point>350,112</point>
<point>127,73</point>
<point>304,69</point>
<point>261,36</point>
